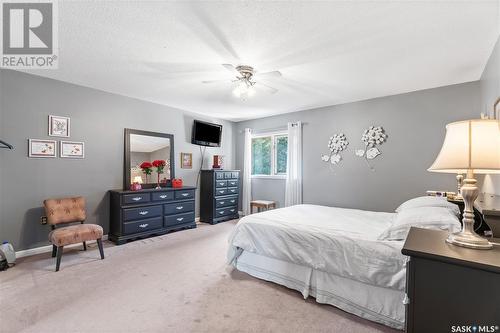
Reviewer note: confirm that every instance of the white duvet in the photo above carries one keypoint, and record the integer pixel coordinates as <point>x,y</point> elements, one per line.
<point>334,240</point>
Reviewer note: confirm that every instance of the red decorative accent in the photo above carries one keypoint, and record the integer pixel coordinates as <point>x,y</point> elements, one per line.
<point>177,183</point>
<point>146,165</point>
<point>217,161</point>
<point>135,187</point>
<point>159,163</point>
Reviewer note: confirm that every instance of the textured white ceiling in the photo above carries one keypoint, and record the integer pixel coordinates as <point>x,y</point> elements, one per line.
<point>328,52</point>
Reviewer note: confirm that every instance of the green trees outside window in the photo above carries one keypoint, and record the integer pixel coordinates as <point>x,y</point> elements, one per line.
<point>269,155</point>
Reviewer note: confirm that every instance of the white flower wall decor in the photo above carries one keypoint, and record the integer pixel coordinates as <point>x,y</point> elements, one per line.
<point>372,137</point>
<point>336,144</point>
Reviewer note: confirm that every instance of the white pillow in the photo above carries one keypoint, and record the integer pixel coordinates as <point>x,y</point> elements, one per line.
<point>438,218</point>
<point>429,201</point>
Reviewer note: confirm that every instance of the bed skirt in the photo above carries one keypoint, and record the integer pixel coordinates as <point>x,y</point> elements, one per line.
<point>378,304</point>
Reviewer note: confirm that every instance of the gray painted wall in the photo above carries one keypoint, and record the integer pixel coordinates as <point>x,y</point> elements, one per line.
<point>97,118</point>
<point>490,91</point>
<point>415,123</point>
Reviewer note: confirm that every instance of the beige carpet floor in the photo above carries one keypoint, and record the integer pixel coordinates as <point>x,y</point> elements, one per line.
<point>177,282</point>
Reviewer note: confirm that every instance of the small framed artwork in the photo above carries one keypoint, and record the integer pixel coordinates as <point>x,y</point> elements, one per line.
<point>72,149</point>
<point>496,109</point>
<point>59,126</point>
<point>186,160</point>
<point>42,148</point>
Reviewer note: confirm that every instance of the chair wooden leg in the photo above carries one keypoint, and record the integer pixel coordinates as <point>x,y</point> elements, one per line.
<point>59,255</point>
<point>84,246</point>
<point>54,250</point>
<point>99,244</point>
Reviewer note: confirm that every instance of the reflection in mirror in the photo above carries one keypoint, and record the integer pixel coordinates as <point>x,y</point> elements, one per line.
<point>144,148</point>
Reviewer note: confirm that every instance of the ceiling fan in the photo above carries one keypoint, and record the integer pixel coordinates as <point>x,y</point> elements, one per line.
<point>245,77</point>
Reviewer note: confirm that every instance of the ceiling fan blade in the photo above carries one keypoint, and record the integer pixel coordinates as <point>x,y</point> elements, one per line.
<point>268,74</point>
<point>180,68</point>
<point>215,81</point>
<point>269,89</point>
<point>231,68</point>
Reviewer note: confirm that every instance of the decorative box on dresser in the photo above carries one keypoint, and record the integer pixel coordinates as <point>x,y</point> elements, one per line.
<point>450,286</point>
<point>219,195</point>
<point>148,212</point>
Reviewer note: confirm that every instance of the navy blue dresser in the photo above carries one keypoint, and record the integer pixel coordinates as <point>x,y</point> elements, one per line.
<point>219,195</point>
<point>144,213</point>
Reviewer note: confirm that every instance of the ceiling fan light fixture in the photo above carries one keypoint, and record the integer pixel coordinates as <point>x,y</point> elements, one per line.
<point>244,89</point>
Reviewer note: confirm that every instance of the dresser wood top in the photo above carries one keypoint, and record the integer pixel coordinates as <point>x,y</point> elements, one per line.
<point>147,190</point>
<point>431,244</point>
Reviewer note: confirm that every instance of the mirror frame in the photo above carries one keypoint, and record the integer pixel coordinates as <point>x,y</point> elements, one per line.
<point>126,164</point>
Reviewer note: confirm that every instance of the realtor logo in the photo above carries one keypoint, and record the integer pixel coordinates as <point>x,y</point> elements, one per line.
<point>28,35</point>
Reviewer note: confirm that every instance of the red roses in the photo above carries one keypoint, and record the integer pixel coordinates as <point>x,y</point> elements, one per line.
<point>147,168</point>
<point>146,165</point>
<point>158,163</point>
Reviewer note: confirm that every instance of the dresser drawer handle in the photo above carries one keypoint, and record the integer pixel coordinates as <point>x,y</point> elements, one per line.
<point>221,192</point>
<point>180,219</point>
<point>163,196</point>
<point>144,212</point>
<point>143,225</point>
<point>221,202</point>
<point>137,198</point>
<point>185,194</point>
<point>233,191</point>
<point>221,184</point>
<point>179,207</point>
<point>232,201</point>
<point>221,212</point>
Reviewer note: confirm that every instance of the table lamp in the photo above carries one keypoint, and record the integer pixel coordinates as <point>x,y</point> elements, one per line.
<point>470,146</point>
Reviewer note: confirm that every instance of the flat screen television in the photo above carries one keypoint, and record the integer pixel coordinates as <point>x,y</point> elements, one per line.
<point>206,134</point>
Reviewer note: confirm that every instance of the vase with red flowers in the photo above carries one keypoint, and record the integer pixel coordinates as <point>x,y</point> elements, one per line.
<point>147,169</point>
<point>159,165</point>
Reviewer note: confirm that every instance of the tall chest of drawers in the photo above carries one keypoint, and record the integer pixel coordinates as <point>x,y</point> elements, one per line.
<point>219,195</point>
<point>144,213</point>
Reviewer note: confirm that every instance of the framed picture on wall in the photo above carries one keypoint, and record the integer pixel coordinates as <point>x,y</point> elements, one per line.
<point>496,109</point>
<point>42,148</point>
<point>72,149</point>
<point>59,126</point>
<point>186,160</point>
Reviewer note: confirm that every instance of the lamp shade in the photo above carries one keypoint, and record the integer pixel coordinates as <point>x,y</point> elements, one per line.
<point>470,145</point>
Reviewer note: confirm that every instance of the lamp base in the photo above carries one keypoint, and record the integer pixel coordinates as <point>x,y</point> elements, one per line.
<point>470,240</point>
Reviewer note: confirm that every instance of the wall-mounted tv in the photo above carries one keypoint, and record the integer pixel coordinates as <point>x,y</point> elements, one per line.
<point>206,134</point>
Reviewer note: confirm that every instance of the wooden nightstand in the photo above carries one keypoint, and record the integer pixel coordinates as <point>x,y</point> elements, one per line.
<point>448,285</point>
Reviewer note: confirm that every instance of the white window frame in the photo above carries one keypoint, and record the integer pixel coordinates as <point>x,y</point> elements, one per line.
<point>273,135</point>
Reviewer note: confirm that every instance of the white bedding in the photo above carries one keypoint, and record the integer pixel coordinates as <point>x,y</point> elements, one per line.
<point>333,240</point>
<point>383,305</point>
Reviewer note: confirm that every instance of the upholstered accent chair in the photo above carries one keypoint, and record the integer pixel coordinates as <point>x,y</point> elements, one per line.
<point>62,212</point>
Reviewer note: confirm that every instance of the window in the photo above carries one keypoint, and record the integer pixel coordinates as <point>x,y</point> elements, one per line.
<point>269,154</point>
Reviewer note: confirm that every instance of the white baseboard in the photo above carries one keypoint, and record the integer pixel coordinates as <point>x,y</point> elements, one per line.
<point>48,248</point>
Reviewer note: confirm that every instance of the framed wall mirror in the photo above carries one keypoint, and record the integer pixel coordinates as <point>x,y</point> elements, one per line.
<point>144,146</point>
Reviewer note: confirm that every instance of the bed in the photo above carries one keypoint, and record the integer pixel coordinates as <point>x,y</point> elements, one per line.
<point>338,256</point>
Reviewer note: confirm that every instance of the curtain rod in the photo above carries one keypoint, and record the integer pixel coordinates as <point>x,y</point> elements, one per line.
<point>275,129</point>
